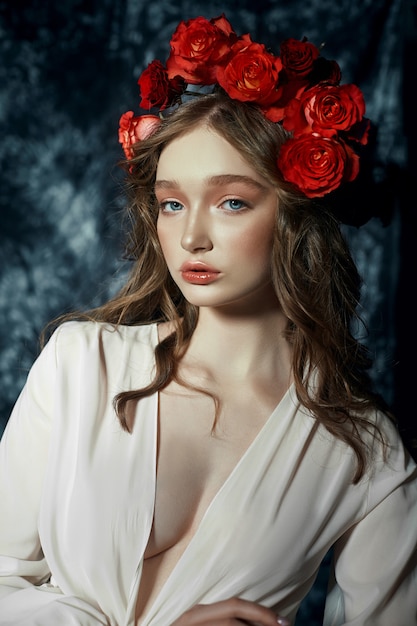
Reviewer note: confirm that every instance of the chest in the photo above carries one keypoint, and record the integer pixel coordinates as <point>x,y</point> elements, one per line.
<point>174,482</point>
<point>196,453</point>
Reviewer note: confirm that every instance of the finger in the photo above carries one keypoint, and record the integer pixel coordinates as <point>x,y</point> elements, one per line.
<point>228,612</point>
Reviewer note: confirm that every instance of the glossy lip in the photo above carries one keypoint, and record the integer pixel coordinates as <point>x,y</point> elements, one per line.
<point>198,273</point>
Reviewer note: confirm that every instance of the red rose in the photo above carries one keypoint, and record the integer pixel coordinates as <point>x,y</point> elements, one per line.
<point>251,74</point>
<point>360,131</point>
<point>288,92</point>
<point>224,25</point>
<point>197,46</point>
<point>325,70</point>
<point>326,109</point>
<point>317,165</point>
<point>133,129</point>
<point>155,88</point>
<point>298,57</point>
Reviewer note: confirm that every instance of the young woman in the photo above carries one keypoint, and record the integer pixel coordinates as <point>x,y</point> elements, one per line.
<point>189,452</point>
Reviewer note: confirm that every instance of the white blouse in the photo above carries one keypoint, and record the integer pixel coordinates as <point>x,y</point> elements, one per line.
<point>77,500</point>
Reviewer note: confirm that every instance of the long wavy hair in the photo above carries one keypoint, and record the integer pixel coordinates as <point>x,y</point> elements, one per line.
<point>314,276</point>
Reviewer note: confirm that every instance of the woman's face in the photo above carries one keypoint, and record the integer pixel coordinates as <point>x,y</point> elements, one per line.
<point>216,221</point>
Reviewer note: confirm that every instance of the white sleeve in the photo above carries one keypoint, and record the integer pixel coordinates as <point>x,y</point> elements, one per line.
<point>375,575</point>
<point>26,599</point>
<point>23,459</point>
<point>41,606</point>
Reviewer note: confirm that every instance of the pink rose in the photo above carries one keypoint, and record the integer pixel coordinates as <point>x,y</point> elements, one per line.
<point>133,129</point>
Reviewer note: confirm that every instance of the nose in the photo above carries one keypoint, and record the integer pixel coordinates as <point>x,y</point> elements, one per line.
<point>196,235</point>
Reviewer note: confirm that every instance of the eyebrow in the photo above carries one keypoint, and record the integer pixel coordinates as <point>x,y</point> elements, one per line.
<point>216,181</point>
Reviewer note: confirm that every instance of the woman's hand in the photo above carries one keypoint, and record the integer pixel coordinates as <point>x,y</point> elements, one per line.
<point>230,612</point>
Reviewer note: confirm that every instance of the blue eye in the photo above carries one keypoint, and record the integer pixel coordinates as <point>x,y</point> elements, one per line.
<point>234,205</point>
<point>171,206</point>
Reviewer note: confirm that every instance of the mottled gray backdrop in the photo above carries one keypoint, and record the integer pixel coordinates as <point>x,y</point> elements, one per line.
<point>68,70</point>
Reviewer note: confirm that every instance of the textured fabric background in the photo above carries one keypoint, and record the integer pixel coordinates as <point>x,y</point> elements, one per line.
<point>68,70</point>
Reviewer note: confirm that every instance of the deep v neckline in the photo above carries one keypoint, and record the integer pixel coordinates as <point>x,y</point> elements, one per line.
<point>236,468</point>
<point>265,426</point>
<point>286,399</point>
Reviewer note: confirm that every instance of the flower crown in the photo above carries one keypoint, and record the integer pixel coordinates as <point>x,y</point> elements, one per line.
<point>299,89</point>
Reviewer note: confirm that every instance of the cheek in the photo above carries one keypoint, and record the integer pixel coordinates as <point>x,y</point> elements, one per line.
<point>163,237</point>
<point>256,243</point>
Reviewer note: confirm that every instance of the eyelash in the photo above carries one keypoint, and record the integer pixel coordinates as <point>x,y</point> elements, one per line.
<point>242,203</point>
<point>164,206</point>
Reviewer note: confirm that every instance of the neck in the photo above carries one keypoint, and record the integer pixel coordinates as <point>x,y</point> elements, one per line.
<point>235,345</point>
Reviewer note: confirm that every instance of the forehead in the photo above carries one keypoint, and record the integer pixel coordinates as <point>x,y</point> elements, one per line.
<point>202,153</point>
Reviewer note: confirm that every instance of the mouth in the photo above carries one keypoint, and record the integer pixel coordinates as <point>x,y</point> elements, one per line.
<point>198,273</point>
